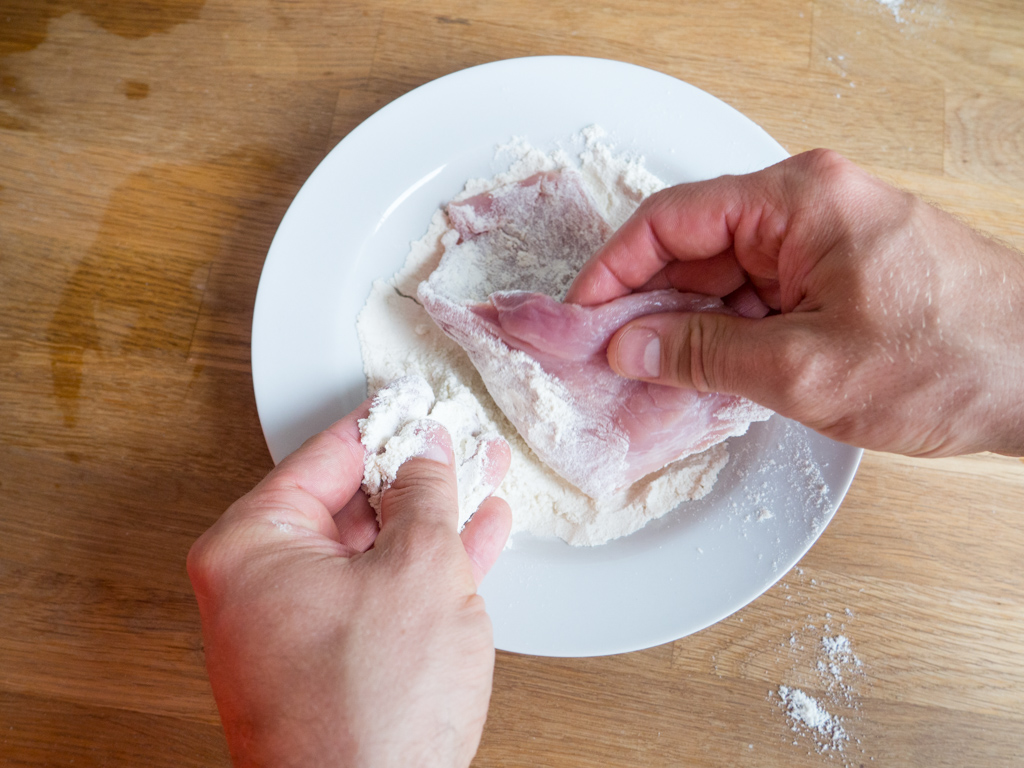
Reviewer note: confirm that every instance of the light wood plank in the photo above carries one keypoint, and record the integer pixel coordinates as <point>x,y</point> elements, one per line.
<point>985,137</point>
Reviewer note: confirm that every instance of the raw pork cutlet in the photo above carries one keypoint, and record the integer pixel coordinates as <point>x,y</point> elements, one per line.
<point>511,253</point>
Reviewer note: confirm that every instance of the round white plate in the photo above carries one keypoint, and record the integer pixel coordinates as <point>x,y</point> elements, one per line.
<point>352,222</point>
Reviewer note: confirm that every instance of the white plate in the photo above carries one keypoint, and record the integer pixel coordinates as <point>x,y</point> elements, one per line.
<point>352,222</point>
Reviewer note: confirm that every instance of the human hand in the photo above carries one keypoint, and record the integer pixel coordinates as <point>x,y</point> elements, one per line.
<point>328,643</point>
<point>900,329</point>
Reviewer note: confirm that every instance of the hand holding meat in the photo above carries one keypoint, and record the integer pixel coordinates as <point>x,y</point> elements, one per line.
<point>896,327</point>
<point>510,256</point>
<point>328,643</point>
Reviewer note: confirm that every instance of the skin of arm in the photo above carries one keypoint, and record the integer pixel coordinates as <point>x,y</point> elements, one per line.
<point>329,643</point>
<point>895,326</point>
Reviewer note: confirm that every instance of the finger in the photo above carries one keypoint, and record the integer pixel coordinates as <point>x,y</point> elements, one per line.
<point>687,222</point>
<point>424,491</point>
<point>482,473</point>
<point>328,467</point>
<point>746,302</point>
<point>715,276</point>
<point>769,292</point>
<point>310,485</point>
<point>357,524</point>
<point>767,360</point>
<point>708,220</point>
<point>497,459</point>
<point>485,535</point>
<point>633,255</point>
<point>296,498</point>
<point>659,282</point>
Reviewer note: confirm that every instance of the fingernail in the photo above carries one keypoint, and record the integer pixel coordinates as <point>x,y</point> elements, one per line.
<point>435,452</point>
<point>639,354</point>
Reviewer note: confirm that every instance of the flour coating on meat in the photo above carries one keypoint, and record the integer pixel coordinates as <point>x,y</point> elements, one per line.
<point>397,338</point>
<point>511,254</point>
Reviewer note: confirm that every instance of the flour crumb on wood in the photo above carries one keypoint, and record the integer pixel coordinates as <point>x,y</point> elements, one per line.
<point>820,694</point>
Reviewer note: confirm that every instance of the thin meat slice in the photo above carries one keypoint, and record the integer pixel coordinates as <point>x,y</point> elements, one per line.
<point>534,235</point>
<point>544,362</point>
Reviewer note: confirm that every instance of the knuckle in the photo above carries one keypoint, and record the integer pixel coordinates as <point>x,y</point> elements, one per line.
<point>701,357</point>
<point>217,558</point>
<point>849,427</point>
<point>418,471</point>
<point>658,203</point>
<point>806,375</point>
<point>677,357</point>
<point>205,563</point>
<point>696,354</point>
<point>195,561</point>
<point>423,483</point>
<point>423,503</point>
<point>828,172</point>
<point>827,163</point>
<point>706,356</point>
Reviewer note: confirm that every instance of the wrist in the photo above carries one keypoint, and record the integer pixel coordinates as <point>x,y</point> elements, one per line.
<point>1000,349</point>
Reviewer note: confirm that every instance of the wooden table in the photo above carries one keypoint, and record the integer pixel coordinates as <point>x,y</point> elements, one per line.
<point>148,152</point>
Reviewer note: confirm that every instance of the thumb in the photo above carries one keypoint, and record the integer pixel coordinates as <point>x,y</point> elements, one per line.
<point>424,493</point>
<point>759,359</point>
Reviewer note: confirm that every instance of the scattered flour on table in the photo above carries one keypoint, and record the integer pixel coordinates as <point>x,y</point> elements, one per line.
<point>397,338</point>
<point>822,661</point>
<point>894,7</point>
<point>915,13</point>
<point>807,711</point>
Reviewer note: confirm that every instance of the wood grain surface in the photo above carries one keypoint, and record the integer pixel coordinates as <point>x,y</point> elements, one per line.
<point>148,151</point>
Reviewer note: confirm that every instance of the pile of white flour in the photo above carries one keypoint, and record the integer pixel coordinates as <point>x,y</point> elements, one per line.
<point>398,427</point>
<point>808,712</point>
<point>398,338</point>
